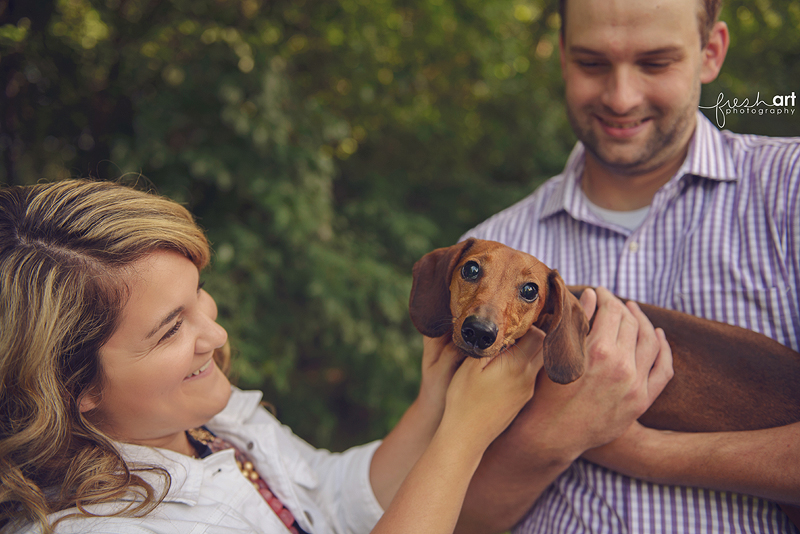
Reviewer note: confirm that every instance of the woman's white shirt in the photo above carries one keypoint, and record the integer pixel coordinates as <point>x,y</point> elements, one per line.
<point>328,493</point>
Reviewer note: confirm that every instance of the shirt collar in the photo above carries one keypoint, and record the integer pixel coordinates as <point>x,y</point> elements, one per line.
<point>240,408</point>
<point>186,474</point>
<point>709,156</point>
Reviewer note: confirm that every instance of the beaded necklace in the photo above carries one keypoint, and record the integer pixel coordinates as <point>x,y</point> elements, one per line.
<point>206,443</point>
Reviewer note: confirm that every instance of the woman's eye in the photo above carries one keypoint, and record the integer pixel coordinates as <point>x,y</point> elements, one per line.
<point>172,331</point>
<point>470,271</point>
<point>529,292</point>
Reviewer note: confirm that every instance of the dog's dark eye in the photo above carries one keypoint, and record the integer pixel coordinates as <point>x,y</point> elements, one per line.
<point>471,271</point>
<point>529,292</point>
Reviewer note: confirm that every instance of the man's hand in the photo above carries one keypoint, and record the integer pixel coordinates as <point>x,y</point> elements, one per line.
<point>764,463</point>
<point>628,364</point>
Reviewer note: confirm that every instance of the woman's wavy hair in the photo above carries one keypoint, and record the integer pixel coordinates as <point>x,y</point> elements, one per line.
<point>63,249</point>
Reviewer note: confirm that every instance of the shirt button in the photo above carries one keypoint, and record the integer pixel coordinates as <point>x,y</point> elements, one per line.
<point>249,445</point>
<point>633,246</point>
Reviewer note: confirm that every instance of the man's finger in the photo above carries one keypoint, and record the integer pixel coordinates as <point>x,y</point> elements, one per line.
<point>647,346</point>
<point>589,302</point>
<point>662,370</point>
<point>609,313</point>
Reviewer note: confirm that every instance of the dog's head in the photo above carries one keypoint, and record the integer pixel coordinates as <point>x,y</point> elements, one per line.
<point>488,295</point>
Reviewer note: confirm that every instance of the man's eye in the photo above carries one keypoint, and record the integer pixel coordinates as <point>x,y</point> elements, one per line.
<point>656,65</point>
<point>591,64</point>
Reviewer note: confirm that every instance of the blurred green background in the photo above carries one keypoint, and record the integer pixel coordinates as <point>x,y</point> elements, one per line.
<point>325,146</point>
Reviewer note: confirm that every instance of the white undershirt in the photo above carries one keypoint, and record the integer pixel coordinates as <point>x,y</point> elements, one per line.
<point>627,219</point>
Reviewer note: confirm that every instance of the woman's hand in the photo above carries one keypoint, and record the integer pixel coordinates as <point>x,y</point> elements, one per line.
<point>440,359</point>
<point>404,445</point>
<point>483,398</point>
<point>485,395</point>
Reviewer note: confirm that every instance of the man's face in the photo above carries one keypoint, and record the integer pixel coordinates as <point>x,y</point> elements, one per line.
<point>633,70</point>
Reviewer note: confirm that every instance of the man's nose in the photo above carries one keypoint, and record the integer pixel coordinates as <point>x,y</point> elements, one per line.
<point>623,90</point>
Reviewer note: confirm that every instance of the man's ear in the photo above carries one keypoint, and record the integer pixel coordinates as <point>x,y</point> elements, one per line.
<point>713,55</point>
<point>561,54</point>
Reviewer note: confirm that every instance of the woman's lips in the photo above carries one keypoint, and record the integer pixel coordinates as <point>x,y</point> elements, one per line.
<point>202,371</point>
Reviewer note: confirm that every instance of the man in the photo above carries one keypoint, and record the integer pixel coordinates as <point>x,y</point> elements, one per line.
<point>658,206</point>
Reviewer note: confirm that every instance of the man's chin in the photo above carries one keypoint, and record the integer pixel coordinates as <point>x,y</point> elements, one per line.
<point>624,162</point>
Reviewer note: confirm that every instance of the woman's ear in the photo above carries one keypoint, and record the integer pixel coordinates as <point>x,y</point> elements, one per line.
<point>88,401</point>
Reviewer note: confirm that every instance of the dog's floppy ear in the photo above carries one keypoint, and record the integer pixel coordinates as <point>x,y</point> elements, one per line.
<point>429,304</point>
<point>565,327</point>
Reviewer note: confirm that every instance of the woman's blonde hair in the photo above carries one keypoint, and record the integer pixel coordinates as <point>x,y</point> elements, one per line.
<point>63,247</point>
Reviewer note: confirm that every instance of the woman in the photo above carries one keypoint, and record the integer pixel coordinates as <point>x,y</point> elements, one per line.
<point>116,415</point>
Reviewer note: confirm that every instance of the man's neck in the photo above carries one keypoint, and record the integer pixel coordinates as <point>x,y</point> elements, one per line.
<point>614,190</point>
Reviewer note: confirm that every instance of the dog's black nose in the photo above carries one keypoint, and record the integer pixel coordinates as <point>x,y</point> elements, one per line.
<point>478,332</point>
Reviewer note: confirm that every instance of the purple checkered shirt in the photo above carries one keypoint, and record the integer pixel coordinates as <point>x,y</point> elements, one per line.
<point>721,240</point>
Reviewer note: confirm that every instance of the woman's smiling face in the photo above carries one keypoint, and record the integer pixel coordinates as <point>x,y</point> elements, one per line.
<point>159,376</point>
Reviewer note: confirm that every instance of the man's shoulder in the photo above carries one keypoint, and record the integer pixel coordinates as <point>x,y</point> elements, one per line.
<point>770,165</point>
<point>741,157</point>
<point>754,147</point>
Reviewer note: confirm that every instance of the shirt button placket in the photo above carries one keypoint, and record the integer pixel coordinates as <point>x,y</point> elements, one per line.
<point>628,267</point>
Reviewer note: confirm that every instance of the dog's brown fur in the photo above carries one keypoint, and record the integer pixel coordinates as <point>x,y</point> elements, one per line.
<point>726,377</point>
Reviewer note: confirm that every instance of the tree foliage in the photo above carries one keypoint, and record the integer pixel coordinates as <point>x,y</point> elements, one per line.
<point>325,146</point>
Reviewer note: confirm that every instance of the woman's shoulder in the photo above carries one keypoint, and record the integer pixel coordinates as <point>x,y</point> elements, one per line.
<point>80,524</point>
<point>167,518</point>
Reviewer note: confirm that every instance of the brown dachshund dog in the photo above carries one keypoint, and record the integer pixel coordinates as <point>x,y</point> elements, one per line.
<point>488,295</point>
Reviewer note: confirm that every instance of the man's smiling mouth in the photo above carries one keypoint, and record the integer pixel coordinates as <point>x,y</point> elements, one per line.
<point>622,125</point>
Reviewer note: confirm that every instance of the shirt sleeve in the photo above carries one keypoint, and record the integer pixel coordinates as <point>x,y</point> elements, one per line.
<point>343,490</point>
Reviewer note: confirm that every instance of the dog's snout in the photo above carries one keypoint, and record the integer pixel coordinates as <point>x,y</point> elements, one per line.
<point>478,332</point>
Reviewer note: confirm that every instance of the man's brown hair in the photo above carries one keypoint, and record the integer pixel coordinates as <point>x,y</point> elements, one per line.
<point>707,16</point>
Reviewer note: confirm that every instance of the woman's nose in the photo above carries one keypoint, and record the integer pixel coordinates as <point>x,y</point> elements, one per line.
<point>212,337</point>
